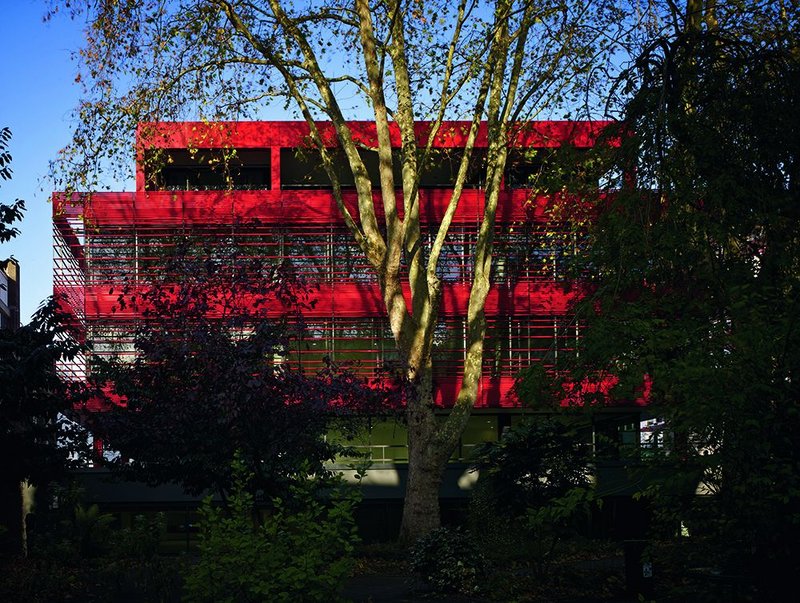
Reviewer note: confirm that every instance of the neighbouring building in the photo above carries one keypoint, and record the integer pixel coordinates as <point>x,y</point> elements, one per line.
<point>9,295</point>
<point>259,186</point>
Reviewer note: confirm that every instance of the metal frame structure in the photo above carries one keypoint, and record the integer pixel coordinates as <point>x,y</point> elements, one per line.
<point>261,194</point>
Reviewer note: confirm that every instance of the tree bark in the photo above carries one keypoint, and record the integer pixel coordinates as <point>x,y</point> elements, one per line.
<point>421,507</point>
<point>430,443</point>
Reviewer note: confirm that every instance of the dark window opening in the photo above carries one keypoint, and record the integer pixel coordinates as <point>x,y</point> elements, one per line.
<point>549,170</point>
<point>440,170</point>
<point>207,169</point>
<point>302,168</point>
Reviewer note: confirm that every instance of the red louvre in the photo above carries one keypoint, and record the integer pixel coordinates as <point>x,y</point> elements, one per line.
<point>271,205</point>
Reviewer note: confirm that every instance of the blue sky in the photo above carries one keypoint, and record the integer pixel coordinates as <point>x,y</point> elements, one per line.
<point>37,94</point>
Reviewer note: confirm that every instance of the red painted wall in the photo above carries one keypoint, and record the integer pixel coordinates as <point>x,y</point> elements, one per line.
<point>80,219</point>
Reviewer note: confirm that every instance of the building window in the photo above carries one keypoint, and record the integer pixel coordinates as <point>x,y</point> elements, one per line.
<point>207,169</point>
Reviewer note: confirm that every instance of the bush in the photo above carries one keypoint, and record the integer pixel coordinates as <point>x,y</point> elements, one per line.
<point>450,561</point>
<point>77,553</point>
<point>534,463</point>
<point>133,569</point>
<point>533,491</point>
<point>300,551</point>
<point>42,580</point>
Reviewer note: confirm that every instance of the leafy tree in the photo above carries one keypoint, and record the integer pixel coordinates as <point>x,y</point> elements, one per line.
<point>35,439</point>
<point>296,552</point>
<point>403,63</point>
<point>695,263</point>
<point>533,464</point>
<point>13,212</point>
<point>209,374</point>
<point>35,403</point>
<point>533,485</point>
<point>33,394</point>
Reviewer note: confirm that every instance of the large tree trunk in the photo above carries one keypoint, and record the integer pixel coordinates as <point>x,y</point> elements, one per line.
<point>421,508</point>
<point>497,70</point>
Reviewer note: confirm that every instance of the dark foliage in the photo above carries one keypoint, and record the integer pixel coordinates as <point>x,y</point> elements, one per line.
<point>37,440</point>
<point>33,431</point>
<point>450,561</point>
<point>696,264</point>
<point>31,393</point>
<point>211,373</point>
<point>298,552</point>
<point>533,464</point>
<point>533,492</point>
<point>78,554</point>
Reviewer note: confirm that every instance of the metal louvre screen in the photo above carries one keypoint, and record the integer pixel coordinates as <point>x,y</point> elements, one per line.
<point>267,214</point>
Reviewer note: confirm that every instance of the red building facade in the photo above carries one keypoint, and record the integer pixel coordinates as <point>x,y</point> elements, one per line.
<point>258,186</point>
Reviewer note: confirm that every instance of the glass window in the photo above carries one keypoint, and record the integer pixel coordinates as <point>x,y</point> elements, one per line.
<point>207,169</point>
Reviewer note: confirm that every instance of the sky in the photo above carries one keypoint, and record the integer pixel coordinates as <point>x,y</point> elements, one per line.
<point>37,95</point>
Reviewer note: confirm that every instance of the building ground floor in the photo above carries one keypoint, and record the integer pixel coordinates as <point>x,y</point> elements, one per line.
<point>619,436</point>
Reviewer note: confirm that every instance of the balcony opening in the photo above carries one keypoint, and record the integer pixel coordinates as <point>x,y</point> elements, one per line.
<point>440,170</point>
<point>207,169</point>
<point>548,170</point>
<point>302,169</point>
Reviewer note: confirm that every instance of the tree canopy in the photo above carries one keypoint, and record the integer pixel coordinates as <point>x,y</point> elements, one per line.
<point>36,439</point>
<point>695,272</point>
<point>206,375</point>
<point>498,62</point>
<point>9,213</point>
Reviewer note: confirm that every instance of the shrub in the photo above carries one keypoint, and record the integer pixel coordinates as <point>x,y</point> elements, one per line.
<point>533,491</point>
<point>534,463</point>
<point>133,569</point>
<point>76,554</point>
<point>300,551</point>
<point>450,561</point>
